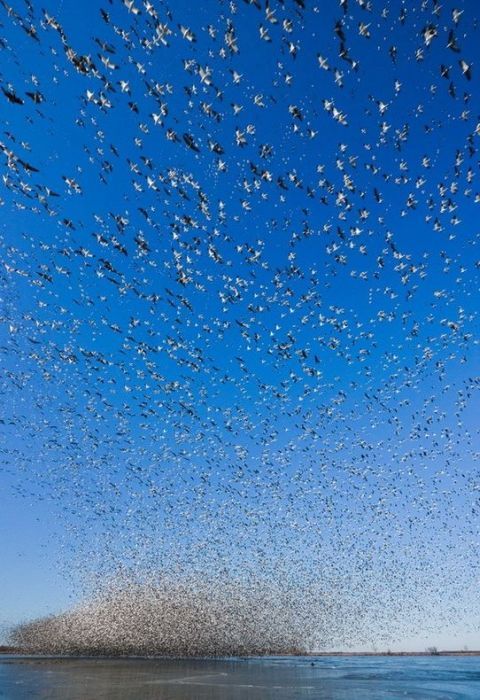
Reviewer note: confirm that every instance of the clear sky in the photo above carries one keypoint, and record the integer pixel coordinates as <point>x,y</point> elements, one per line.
<point>239,323</point>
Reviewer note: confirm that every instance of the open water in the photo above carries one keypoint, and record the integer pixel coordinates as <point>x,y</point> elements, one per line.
<point>272,678</point>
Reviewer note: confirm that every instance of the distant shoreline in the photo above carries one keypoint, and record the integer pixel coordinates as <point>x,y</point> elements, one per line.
<point>4,650</point>
<point>396,653</point>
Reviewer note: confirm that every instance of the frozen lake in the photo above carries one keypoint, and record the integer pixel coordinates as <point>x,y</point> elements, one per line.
<point>322,678</point>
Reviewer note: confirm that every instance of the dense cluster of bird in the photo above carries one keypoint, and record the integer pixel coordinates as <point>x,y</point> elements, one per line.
<point>169,618</point>
<point>239,275</point>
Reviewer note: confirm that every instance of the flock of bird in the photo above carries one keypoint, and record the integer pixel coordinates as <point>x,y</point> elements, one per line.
<point>239,275</point>
<point>172,618</point>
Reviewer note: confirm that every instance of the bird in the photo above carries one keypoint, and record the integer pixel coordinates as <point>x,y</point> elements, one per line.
<point>239,321</point>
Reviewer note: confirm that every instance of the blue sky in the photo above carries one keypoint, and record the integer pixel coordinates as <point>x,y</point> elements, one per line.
<point>243,334</point>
